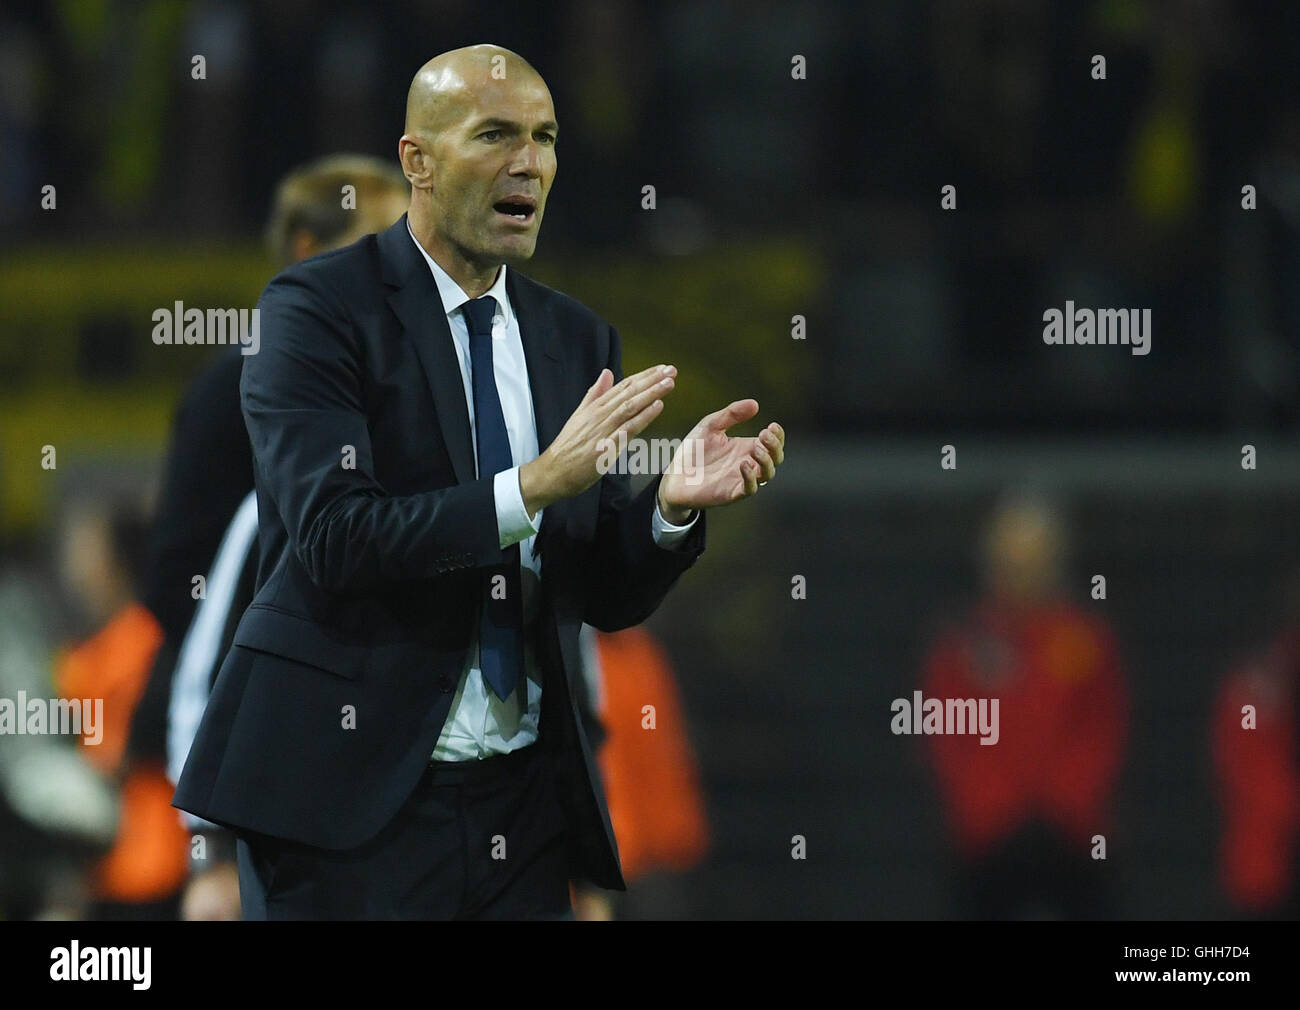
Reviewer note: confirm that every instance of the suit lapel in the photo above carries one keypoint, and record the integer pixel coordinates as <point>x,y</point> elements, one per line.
<point>419,307</point>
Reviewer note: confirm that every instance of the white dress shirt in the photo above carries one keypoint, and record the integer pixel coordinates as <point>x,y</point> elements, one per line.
<point>200,650</point>
<point>481,724</point>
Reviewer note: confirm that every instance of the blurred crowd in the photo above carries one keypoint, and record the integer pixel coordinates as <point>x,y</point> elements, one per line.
<point>1029,819</point>
<point>1123,191</point>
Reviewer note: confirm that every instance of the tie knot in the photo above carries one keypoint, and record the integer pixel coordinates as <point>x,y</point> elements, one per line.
<point>479,313</point>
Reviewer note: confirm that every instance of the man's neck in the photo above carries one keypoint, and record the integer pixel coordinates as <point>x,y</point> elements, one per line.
<point>474,278</point>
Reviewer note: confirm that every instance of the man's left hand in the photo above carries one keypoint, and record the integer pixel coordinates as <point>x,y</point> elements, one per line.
<point>711,468</point>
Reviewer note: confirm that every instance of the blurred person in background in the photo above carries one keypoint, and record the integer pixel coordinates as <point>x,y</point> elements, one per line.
<point>208,475</point>
<point>56,814</point>
<point>634,719</point>
<point>102,554</point>
<point>1257,770</point>
<point>1023,811</point>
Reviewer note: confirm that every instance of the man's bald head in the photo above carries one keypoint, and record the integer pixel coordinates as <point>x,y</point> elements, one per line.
<point>479,153</point>
<point>443,89</point>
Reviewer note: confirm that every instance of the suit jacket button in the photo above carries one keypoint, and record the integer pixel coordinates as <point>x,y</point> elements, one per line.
<point>446,683</point>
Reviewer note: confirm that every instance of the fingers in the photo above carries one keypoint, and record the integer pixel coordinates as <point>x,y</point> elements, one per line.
<point>631,396</point>
<point>642,420</point>
<point>598,388</point>
<point>732,414</point>
<point>767,453</point>
<point>638,380</point>
<point>772,438</point>
<point>766,464</point>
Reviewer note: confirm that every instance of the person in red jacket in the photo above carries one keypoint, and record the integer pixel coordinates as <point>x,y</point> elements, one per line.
<point>1023,812</point>
<point>1254,745</point>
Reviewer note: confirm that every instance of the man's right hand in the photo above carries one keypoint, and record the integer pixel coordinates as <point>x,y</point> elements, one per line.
<point>606,415</point>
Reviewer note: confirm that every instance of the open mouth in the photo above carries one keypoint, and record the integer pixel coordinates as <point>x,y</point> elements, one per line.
<point>519,209</point>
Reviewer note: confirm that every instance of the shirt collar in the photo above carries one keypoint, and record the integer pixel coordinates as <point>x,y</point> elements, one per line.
<point>453,297</point>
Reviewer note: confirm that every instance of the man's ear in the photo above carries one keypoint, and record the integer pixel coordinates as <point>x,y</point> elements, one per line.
<point>417,166</point>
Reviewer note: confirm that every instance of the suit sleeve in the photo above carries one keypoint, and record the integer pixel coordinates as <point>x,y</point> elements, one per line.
<point>302,399</point>
<point>632,574</point>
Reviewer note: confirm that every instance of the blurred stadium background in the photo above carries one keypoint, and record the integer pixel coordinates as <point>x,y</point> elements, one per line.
<point>776,198</point>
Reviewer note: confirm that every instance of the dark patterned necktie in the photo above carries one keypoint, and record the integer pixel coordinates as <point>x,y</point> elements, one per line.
<point>501,627</point>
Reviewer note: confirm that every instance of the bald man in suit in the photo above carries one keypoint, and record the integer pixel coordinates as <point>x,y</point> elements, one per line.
<point>392,734</point>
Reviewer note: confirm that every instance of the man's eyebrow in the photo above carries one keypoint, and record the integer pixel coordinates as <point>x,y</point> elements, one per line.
<point>493,122</point>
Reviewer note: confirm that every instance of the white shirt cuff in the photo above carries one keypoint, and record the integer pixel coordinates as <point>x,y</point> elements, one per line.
<point>513,524</point>
<point>666,534</point>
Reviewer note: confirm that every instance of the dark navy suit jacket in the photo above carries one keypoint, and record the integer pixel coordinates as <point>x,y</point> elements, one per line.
<point>371,576</point>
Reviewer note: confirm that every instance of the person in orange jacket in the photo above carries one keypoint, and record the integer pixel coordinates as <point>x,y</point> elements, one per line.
<point>656,805</point>
<point>142,874</point>
<point>1022,812</point>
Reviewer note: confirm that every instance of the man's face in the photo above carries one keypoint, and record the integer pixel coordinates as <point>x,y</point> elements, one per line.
<point>494,163</point>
